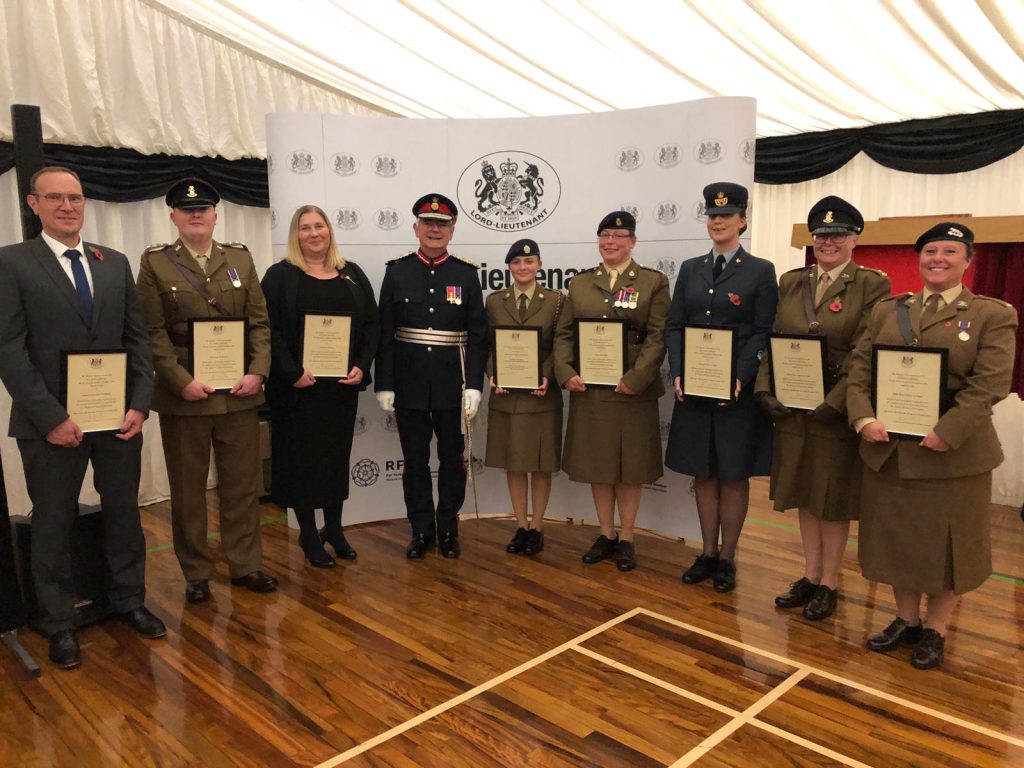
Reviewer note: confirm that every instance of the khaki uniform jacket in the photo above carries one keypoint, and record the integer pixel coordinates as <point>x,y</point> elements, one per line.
<point>169,301</point>
<point>591,297</point>
<point>980,368</point>
<point>542,312</point>
<point>842,315</point>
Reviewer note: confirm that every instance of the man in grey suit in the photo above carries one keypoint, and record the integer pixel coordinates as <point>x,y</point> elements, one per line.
<point>58,293</point>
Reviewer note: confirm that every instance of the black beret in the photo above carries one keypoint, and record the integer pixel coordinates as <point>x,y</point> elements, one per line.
<point>724,198</point>
<point>435,206</point>
<point>945,230</point>
<point>192,192</point>
<point>618,220</point>
<point>834,216</point>
<point>524,247</point>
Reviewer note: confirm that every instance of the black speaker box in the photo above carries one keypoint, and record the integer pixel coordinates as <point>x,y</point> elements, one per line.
<point>88,565</point>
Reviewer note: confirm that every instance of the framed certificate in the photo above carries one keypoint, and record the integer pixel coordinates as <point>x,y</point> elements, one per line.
<point>797,364</point>
<point>517,360</point>
<point>709,363</point>
<point>94,388</point>
<point>327,343</point>
<point>216,351</point>
<point>908,388</point>
<point>602,351</point>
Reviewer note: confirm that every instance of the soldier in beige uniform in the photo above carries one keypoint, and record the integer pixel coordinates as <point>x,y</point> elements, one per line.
<point>815,467</point>
<point>198,278</point>
<point>524,428</point>
<point>613,438</point>
<point>924,519</point>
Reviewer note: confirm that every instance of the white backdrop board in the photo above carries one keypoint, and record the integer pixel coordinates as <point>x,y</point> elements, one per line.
<point>549,178</point>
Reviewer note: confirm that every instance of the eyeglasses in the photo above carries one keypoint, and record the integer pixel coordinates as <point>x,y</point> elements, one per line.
<point>434,223</point>
<point>613,236</point>
<point>836,239</point>
<point>55,198</point>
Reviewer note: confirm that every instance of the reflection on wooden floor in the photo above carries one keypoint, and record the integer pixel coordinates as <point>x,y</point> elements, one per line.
<point>502,660</point>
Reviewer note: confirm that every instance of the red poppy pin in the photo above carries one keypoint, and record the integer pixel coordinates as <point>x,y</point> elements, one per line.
<point>735,299</point>
<point>836,305</point>
<point>97,253</point>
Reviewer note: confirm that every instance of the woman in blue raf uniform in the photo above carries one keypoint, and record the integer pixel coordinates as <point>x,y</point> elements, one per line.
<point>924,517</point>
<point>815,466</point>
<point>613,440</point>
<point>524,429</point>
<point>722,445</point>
<point>313,419</point>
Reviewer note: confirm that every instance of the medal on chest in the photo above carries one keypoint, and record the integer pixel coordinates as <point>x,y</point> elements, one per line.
<point>963,325</point>
<point>235,280</point>
<point>454,294</point>
<point>627,298</point>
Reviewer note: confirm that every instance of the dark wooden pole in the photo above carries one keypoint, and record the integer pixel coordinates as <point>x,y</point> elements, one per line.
<point>28,158</point>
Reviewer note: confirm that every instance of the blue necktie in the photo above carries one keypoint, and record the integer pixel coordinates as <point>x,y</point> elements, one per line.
<point>81,283</point>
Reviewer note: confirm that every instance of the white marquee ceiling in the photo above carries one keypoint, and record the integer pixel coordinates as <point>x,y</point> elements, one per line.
<point>811,64</point>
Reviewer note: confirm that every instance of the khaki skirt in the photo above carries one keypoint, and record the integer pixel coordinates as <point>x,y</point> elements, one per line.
<point>925,535</point>
<point>816,467</point>
<point>613,442</point>
<point>524,442</point>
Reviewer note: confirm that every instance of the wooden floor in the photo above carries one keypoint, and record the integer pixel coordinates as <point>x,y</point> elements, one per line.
<point>501,660</point>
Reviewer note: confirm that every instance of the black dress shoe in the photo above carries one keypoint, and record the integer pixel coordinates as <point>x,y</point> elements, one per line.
<point>257,581</point>
<point>897,633</point>
<point>144,622</point>
<point>64,650</point>
<point>625,556</point>
<point>725,576</point>
<point>799,594</point>
<point>601,549</point>
<point>927,654</point>
<point>822,603</point>
<point>197,590</point>
<point>515,546</point>
<point>534,542</point>
<point>448,545</point>
<point>339,544</point>
<point>419,546</point>
<point>320,560</point>
<point>704,567</point>
<point>313,548</point>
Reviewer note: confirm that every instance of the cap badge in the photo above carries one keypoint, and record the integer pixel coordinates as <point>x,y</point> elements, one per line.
<point>721,199</point>
<point>828,217</point>
<point>191,191</point>
<point>618,221</point>
<point>955,232</point>
<point>435,205</point>
<point>526,250</point>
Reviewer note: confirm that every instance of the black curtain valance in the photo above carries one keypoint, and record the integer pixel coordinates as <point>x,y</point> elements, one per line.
<point>939,145</point>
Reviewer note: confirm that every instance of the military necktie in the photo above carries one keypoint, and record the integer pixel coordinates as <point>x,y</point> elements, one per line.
<point>201,260</point>
<point>522,306</point>
<point>824,280</point>
<point>612,277</point>
<point>719,266</point>
<point>81,281</point>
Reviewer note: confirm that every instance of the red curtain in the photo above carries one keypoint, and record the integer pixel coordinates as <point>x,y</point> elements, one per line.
<point>997,270</point>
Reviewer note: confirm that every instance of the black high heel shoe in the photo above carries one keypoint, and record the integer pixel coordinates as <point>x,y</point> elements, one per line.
<point>339,544</point>
<point>316,555</point>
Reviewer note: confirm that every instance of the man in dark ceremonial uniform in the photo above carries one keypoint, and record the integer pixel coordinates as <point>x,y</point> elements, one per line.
<point>430,370</point>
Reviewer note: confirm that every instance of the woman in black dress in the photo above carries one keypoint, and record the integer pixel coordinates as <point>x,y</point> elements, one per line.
<point>312,419</point>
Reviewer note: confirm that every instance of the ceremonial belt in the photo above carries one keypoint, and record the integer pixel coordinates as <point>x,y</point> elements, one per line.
<point>432,338</point>
<point>903,320</point>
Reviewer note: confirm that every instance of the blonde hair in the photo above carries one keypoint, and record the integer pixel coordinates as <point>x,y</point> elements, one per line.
<point>293,255</point>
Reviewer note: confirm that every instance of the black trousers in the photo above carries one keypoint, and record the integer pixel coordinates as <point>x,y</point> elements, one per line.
<point>415,431</point>
<point>54,476</point>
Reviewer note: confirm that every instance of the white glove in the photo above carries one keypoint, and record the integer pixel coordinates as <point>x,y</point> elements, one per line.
<point>471,402</point>
<point>386,401</point>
